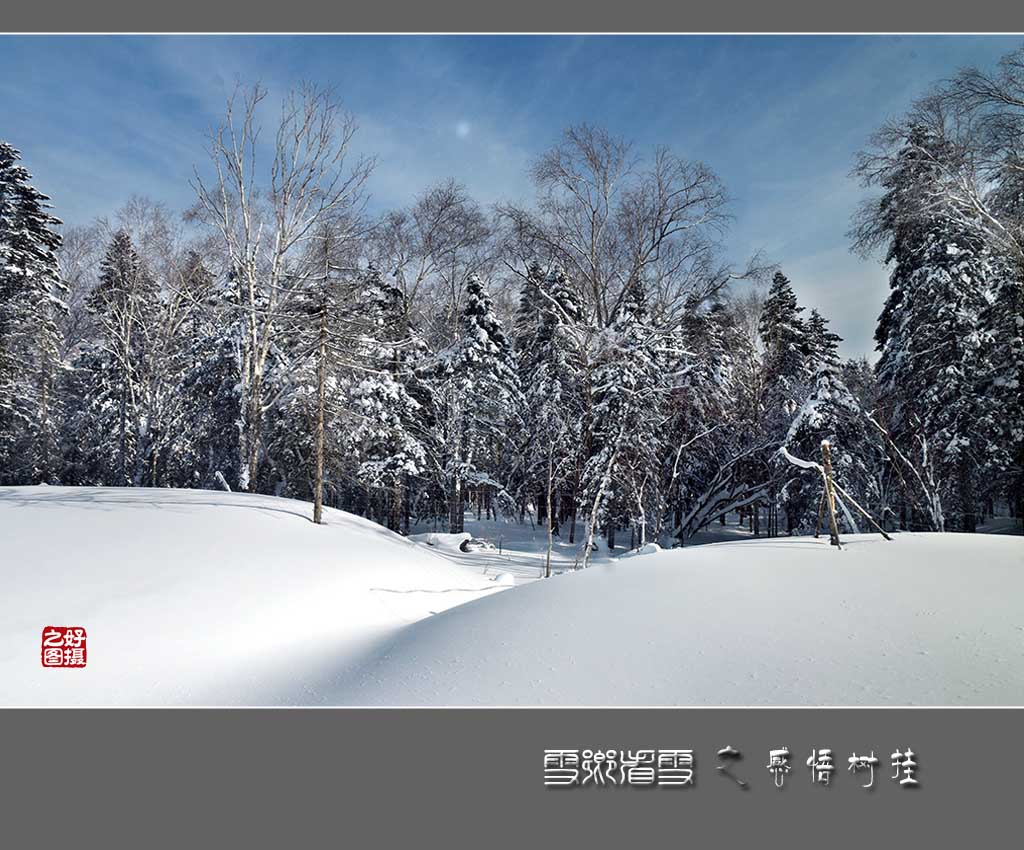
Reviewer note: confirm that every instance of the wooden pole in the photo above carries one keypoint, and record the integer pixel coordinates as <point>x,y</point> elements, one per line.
<point>868,516</point>
<point>830,495</point>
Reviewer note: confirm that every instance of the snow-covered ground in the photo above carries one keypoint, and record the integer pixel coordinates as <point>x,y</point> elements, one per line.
<point>200,598</point>
<point>195,597</point>
<point>1000,525</point>
<point>926,619</point>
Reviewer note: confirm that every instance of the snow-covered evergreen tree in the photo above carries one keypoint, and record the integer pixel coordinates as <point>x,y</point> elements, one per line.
<point>928,332</point>
<point>823,343</point>
<point>787,349</point>
<point>528,318</point>
<point>384,435</point>
<point>787,373</point>
<point>167,453</point>
<point>831,413</point>
<point>622,477</point>
<point>32,300</point>
<point>209,382</point>
<point>553,409</point>
<point>123,303</point>
<point>476,388</point>
<point>1000,388</point>
<point>705,365</point>
<point>702,403</point>
<point>521,473</point>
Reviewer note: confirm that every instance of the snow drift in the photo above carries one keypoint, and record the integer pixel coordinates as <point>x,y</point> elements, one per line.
<point>204,598</point>
<point>195,597</point>
<point>926,619</point>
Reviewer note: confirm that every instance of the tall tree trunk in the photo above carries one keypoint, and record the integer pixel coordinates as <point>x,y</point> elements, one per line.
<point>968,508</point>
<point>406,507</point>
<point>456,507</point>
<point>551,475</point>
<point>45,449</point>
<point>321,398</point>
<point>255,425</point>
<point>123,447</point>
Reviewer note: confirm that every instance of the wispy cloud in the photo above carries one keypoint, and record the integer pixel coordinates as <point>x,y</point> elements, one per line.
<point>101,118</point>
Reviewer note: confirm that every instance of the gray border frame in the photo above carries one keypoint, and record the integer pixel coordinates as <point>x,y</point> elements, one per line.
<point>473,778</point>
<point>598,16</point>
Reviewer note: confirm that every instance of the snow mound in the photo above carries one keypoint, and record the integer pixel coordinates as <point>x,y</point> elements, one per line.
<point>219,598</point>
<point>926,619</point>
<point>201,598</point>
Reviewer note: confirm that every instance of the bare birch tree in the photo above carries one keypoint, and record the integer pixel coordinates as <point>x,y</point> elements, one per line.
<point>264,220</point>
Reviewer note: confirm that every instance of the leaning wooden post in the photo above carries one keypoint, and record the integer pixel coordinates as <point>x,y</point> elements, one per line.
<point>830,494</point>
<point>870,519</point>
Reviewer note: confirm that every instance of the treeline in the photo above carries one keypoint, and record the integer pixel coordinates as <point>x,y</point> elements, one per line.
<point>950,221</point>
<point>589,358</point>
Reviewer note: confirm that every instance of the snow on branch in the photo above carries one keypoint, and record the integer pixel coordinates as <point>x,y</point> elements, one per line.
<point>803,464</point>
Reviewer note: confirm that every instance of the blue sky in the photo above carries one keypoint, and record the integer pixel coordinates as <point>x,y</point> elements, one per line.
<point>778,117</point>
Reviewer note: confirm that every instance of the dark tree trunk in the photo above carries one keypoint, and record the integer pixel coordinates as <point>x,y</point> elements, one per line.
<point>405,505</point>
<point>968,508</point>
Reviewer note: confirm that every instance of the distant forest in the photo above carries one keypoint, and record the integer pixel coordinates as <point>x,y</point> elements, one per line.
<point>587,359</point>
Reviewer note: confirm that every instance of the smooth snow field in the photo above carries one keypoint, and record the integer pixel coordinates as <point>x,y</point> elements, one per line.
<point>201,598</point>
<point>213,598</point>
